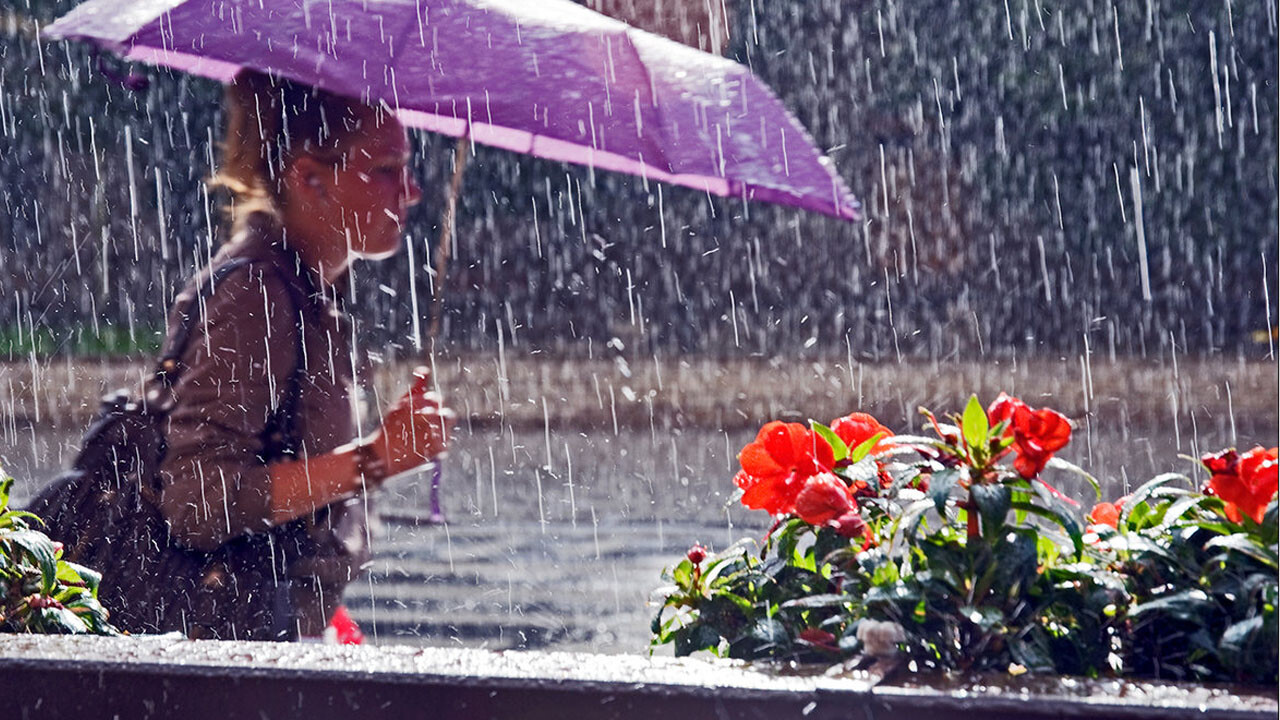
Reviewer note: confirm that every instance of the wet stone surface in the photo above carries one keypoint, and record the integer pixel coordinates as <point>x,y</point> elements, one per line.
<point>548,683</point>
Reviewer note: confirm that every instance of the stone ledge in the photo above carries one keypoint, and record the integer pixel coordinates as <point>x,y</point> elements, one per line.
<point>64,677</point>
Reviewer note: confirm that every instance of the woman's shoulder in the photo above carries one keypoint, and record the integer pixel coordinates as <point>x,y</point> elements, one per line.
<point>255,261</point>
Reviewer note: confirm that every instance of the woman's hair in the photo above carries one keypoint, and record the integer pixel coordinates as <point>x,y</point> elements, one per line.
<point>269,121</point>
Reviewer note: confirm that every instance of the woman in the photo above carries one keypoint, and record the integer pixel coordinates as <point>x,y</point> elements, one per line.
<point>316,181</point>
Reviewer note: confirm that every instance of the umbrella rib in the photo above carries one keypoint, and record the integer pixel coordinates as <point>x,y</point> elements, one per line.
<point>653,100</point>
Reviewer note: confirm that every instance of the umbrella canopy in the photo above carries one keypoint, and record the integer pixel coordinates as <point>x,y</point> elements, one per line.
<point>546,78</point>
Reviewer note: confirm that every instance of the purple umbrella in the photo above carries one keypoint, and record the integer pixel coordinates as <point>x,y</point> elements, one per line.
<point>546,78</point>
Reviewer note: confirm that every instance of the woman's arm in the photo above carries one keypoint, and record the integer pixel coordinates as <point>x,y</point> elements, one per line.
<point>300,487</point>
<point>414,430</point>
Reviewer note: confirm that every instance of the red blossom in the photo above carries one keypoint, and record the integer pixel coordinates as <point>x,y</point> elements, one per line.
<point>1001,411</point>
<point>824,498</point>
<point>1108,513</point>
<point>776,464</point>
<point>1105,513</point>
<point>1246,483</point>
<point>857,428</point>
<point>1037,434</point>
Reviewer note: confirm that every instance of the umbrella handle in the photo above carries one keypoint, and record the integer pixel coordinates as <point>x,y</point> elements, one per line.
<point>460,155</point>
<point>437,514</point>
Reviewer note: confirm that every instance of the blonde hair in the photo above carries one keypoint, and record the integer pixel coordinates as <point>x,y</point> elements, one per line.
<point>269,121</point>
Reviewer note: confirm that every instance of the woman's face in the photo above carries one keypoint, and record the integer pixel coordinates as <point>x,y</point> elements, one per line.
<point>373,189</point>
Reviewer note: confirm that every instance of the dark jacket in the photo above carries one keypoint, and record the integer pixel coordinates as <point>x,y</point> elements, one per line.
<point>236,371</point>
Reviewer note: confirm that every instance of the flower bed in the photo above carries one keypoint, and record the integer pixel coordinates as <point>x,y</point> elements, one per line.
<point>952,552</point>
<point>39,591</point>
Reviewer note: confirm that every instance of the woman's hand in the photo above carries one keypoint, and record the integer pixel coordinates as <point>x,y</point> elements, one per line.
<point>414,430</point>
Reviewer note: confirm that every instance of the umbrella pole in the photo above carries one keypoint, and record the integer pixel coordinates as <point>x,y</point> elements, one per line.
<point>461,153</point>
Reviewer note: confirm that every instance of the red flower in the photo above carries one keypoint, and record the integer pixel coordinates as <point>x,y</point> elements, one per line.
<point>1108,513</point>
<point>824,498</point>
<point>776,464</point>
<point>1002,411</point>
<point>1037,434</point>
<point>857,428</point>
<point>1246,483</point>
<point>1105,513</point>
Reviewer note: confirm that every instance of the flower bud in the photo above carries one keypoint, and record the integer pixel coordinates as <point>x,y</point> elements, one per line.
<point>851,525</point>
<point>697,554</point>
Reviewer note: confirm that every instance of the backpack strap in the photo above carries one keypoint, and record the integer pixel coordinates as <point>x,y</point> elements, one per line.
<point>160,396</point>
<point>166,370</point>
<point>280,434</point>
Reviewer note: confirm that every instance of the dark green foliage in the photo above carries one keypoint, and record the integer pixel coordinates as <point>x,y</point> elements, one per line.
<point>39,591</point>
<point>1203,589</point>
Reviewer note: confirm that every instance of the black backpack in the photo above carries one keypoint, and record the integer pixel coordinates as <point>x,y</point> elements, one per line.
<point>104,512</point>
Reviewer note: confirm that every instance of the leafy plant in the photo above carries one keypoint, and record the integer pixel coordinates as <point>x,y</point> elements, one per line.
<point>1201,576</point>
<point>950,551</point>
<point>39,591</point>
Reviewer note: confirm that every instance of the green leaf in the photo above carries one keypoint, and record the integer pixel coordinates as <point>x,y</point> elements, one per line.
<point>1180,507</point>
<point>769,633</point>
<point>940,485</point>
<point>864,448</point>
<point>655,626</point>
<point>1242,543</point>
<point>682,574</point>
<point>994,502</point>
<point>984,617</point>
<point>1032,651</point>
<point>695,637</point>
<point>864,470</point>
<point>1060,514</point>
<point>818,601</point>
<point>1238,638</point>
<point>1065,515</point>
<point>91,578</point>
<point>910,518</point>
<point>1185,605</point>
<point>64,620</point>
<point>1015,556</point>
<point>17,519</point>
<point>974,425</point>
<point>1060,464</point>
<point>41,549</point>
<point>1147,489</point>
<point>837,445</point>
